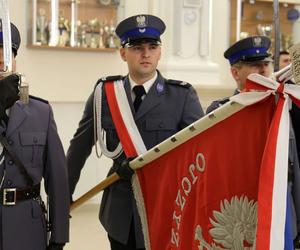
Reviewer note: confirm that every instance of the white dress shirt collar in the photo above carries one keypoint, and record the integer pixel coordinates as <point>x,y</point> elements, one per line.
<point>147,85</point>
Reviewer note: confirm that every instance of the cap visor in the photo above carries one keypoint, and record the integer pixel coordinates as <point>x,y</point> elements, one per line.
<point>142,40</point>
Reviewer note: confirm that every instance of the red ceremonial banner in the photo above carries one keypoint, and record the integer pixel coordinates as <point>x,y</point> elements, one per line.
<point>203,194</point>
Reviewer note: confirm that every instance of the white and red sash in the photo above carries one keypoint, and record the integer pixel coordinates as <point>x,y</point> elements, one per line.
<point>128,133</point>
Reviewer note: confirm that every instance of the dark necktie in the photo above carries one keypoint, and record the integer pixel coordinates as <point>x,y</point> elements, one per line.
<point>139,91</point>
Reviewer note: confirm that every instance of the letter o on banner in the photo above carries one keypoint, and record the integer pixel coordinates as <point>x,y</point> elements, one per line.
<point>200,162</point>
<point>188,187</point>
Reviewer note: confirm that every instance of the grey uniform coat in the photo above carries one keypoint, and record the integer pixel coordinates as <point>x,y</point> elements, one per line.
<point>32,134</point>
<point>168,107</point>
<point>294,165</point>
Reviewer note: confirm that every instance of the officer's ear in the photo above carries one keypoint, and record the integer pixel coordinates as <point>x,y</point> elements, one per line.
<point>235,69</point>
<point>123,54</point>
<point>159,54</point>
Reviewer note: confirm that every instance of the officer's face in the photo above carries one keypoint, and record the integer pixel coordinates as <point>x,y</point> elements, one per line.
<point>2,62</point>
<point>142,60</point>
<point>241,71</point>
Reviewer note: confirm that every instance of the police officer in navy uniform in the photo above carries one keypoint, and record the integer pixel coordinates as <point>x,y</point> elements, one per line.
<point>250,55</point>
<point>167,106</point>
<point>33,152</point>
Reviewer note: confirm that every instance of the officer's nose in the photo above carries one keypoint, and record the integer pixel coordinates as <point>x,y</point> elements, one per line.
<point>146,52</point>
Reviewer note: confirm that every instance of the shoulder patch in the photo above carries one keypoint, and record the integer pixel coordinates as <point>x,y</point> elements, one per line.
<point>38,99</point>
<point>179,83</point>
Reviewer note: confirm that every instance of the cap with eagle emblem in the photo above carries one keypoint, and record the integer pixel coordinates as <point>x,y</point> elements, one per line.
<point>250,49</point>
<point>15,37</point>
<point>140,28</point>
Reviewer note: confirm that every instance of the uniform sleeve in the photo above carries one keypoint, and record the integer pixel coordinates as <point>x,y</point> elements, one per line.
<point>56,185</point>
<point>294,177</point>
<point>192,108</point>
<point>295,115</point>
<point>81,144</point>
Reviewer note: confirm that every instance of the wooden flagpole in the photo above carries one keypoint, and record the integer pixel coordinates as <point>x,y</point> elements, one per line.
<point>277,34</point>
<point>95,190</point>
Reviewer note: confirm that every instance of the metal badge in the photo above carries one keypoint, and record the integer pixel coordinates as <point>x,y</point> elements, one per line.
<point>159,87</point>
<point>257,41</point>
<point>141,21</point>
<point>142,30</point>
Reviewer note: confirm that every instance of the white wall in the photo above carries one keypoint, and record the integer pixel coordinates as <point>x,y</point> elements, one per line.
<point>220,40</point>
<point>67,115</point>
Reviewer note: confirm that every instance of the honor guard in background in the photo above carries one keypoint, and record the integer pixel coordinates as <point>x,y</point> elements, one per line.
<point>247,56</point>
<point>30,150</point>
<point>160,108</point>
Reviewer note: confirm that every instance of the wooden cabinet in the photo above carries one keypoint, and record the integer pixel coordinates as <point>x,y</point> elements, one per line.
<point>257,19</point>
<point>73,24</point>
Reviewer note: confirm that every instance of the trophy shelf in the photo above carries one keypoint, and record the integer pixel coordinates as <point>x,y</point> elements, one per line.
<point>257,19</point>
<point>82,25</point>
<point>68,48</point>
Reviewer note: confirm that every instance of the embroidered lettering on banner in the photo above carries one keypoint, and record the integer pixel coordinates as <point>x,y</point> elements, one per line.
<point>187,184</point>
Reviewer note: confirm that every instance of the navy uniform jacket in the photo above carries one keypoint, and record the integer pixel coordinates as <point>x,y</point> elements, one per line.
<point>295,115</point>
<point>32,134</point>
<point>294,168</point>
<point>168,107</point>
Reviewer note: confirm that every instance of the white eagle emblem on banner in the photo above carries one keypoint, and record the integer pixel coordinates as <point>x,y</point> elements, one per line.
<point>234,227</point>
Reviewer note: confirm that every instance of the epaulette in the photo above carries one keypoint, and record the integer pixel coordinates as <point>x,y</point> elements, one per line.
<point>38,99</point>
<point>224,100</point>
<point>179,83</point>
<point>109,78</point>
